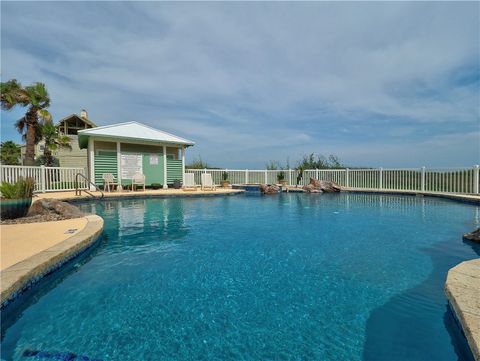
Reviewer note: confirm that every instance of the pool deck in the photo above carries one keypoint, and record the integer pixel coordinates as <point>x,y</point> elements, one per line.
<point>31,251</point>
<point>463,292</point>
<point>70,195</point>
<point>469,198</point>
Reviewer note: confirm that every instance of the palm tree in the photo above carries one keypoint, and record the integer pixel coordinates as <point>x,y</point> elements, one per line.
<point>10,153</point>
<point>34,96</point>
<point>53,140</point>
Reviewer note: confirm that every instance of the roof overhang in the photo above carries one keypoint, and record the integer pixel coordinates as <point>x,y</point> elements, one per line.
<point>83,140</point>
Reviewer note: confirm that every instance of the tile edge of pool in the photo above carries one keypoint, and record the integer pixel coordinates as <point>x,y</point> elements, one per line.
<point>461,289</point>
<point>20,277</point>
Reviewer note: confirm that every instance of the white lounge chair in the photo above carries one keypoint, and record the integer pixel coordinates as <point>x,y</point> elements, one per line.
<point>207,182</point>
<point>189,183</point>
<point>109,182</point>
<point>138,179</point>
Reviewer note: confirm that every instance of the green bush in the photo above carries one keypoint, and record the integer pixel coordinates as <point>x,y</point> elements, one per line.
<point>22,188</point>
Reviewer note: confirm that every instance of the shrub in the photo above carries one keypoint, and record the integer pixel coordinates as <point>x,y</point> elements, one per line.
<point>22,188</point>
<point>281,176</point>
<point>225,176</point>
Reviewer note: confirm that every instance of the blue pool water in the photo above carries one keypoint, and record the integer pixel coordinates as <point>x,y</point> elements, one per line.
<point>283,277</point>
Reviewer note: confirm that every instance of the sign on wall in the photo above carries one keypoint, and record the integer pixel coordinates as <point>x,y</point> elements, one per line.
<point>131,164</point>
<point>153,159</point>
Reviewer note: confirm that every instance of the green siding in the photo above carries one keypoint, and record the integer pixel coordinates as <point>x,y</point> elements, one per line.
<point>153,173</point>
<point>105,162</point>
<point>174,170</point>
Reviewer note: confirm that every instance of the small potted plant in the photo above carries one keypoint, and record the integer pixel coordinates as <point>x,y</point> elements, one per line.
<point>156,185</point>
<point>281,179</point>
<point>225,181</point>
<point>16,198</point>
<point>177,184</point>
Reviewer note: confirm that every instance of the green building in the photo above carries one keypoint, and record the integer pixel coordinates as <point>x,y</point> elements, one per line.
<point>128,148</point>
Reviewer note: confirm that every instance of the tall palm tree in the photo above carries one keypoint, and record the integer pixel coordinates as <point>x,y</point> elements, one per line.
<point>53,140</point>
<point>36,98</point>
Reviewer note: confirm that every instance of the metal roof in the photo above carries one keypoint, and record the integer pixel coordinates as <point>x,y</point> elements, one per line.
<point>131,132</point>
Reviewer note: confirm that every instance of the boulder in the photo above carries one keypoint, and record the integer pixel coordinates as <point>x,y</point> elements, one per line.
<point>310,188</point>
<point>325,186</point>
<point>53,206</point>
<point>473,236</point>
<point>269,188</point>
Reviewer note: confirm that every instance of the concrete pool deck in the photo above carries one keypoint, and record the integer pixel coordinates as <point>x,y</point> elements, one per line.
<point>70,195</point>
<point>469,198</point>
<point>31,251</point>
<point>463,293</point>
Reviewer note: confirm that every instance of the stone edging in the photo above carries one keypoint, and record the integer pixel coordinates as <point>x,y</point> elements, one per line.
<point>21,276</point>
<point>463,293</point>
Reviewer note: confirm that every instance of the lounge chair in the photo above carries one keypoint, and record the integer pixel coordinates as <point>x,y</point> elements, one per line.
<point>189,183</point>
<point>109,182</point>
<point>207,182</point>
<point>138,179</point>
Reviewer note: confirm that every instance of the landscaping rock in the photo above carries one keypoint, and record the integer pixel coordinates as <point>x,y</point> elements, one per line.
<point>310,188</point>
<point>325,186</point>
<point>473,236</point>
<point>52,206</point>
<point>269,188</point>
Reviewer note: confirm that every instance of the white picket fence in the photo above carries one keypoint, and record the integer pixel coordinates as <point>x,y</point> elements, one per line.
<point>47,179</point>
<point>444,180</point>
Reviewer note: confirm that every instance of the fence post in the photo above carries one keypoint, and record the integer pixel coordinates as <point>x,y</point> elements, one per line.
<point>246,176</point>
<point>266,176</point>
<point>317,174</point>
<point>347,178</point>
<point>423,179</point>
<point>476,179</point>
<point>42,178</point>
<point>381,178</point>
<point>289,177</point>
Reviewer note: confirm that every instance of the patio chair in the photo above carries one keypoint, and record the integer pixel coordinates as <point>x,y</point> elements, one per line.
<point>109,182</point>
<point>138,179</point>
<point>207,182</point>
<point>189,183</point>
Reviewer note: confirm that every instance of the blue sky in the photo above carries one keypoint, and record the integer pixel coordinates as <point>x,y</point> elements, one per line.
<point>378,84</point>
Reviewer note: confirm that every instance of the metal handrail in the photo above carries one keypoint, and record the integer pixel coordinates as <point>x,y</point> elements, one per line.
<point>78,190</point>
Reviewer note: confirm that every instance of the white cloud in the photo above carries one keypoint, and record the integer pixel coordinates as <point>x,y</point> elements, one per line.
<point>256,75</point>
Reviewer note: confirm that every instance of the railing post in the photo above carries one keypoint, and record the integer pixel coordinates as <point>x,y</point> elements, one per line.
<point>317,174</point>
<point>347,177</point>
<point>476,179</point>
<point>381,178</point>
<point>423,179</point>
<point>266,176</point>
<point>43,178</point>
<point>246,176</point>
<point>289,177</point>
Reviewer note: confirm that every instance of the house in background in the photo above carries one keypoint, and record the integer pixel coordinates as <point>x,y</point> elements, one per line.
<point>69,126</point>
<point>127,148</point>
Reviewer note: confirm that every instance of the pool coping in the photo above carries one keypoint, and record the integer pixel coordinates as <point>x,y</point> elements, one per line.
<point>464,198</point>
<point>21,276</point>
<point>71,197</point>
<point>462,289</point>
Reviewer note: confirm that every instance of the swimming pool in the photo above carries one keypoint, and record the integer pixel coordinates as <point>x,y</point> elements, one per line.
<point>283,277</point>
